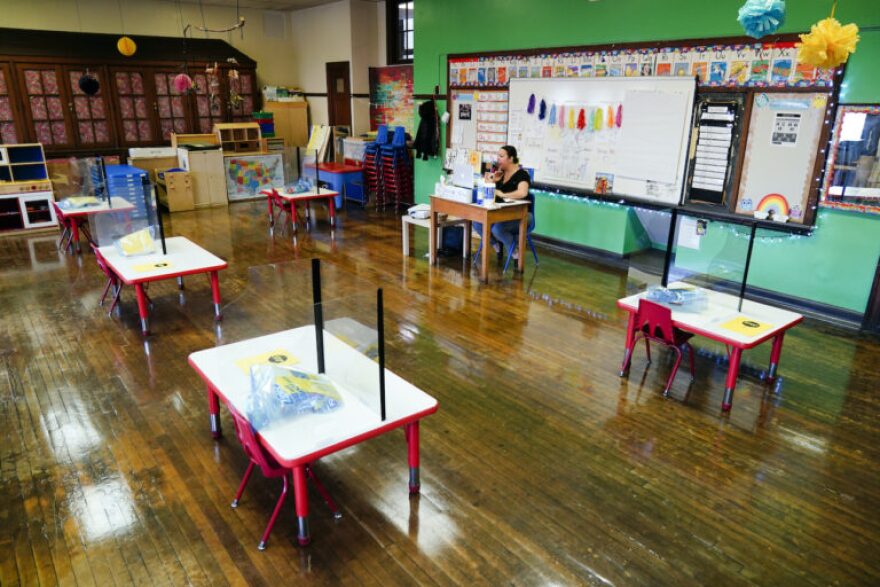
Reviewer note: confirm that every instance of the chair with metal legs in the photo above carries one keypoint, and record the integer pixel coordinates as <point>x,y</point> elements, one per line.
<point>258,456</point>
<point>654,323</point>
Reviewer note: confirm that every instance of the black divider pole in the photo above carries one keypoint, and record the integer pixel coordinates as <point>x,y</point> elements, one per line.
<point>670,242</point>
<point>380,320</point>
<point>319,312</point>
<point>317,175</point>
<point>158,217</point>
<point>742,289</point>
<point>299,170</point>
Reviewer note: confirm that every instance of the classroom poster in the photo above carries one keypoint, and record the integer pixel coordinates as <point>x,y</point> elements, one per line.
<point>391,96</point>
<point>247,175</point>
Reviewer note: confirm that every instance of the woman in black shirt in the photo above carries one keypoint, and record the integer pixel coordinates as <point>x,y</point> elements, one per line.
<point>511,182</point>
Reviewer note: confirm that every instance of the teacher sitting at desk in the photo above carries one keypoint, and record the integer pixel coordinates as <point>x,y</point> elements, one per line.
<point>511,182</point>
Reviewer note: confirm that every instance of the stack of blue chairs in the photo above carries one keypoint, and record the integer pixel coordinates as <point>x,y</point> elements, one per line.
<point>397,178</point>
<point>372,160</point>
<point>131,184</point>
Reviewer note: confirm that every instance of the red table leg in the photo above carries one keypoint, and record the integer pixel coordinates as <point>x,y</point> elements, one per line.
<point>732,373</point>
<point>332,202</point>
<point>301,495</point>
<point>74,227</point>
<point>271,212</point>
<point>774,356</point>
<point>214,412</point>
<point>143,308</point>
<point>412,439</point>
<point>293,215</point>
<point>215,292</point>
<point>630,338</point>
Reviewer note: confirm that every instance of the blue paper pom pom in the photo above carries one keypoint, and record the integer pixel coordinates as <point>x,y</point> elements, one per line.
<point>762,17</point>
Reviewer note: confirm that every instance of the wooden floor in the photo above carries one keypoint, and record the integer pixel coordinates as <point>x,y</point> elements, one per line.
<point>541,467</point>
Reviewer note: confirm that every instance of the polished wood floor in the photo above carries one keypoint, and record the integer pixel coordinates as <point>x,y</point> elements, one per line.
<point>541,466</point>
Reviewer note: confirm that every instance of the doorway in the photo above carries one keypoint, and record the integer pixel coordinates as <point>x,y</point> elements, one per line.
<point>338,94</point>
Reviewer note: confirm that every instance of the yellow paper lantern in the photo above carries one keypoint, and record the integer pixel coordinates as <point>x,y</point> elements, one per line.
<point>126,46</point>
<point>828,44</point>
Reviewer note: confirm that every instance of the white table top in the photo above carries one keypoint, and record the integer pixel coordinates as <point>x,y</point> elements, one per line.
<point>184,257</point>
<point>119,205</point>
<point>309,195</point>
<point>356,377</point>
<point>706,318</point>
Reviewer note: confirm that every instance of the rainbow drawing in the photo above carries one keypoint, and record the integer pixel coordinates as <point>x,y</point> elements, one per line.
<point>775,202</point>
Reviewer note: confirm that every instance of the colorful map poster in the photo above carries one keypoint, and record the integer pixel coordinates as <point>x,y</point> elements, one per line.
<point>247,175</point>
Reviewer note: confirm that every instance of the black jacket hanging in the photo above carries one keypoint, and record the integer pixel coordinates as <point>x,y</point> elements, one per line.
<point>427,141</point>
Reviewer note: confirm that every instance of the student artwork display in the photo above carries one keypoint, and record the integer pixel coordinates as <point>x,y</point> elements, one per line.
<point>780,157</point>
<point>246,176</point>
<point>717,127</point>
<point>732,65</point>
<point>391,96</point>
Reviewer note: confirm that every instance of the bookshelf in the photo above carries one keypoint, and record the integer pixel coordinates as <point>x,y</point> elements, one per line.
<point>239,138</point>
<point>25,190</point>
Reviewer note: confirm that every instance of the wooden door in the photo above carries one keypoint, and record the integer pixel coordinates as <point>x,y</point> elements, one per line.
<point>91,118</point>
<point>338,94</point>
<point>47,105</point>
<point>10,120</point>
<point>171,107</point>
<point>132,98</point>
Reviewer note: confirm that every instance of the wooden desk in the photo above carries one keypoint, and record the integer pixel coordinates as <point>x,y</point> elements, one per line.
<point>706,319</point>
<point>485,215</point>
<point>184,258</point>
<point>78,217</point>
<point>287,202</point>
<point>300,441</point>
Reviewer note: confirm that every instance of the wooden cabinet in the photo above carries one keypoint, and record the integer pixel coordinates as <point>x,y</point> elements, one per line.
<point>90,115</point>
<point>239,137</point>
<point>208,180</point>
<point>10,131</point>
<point>176,191</point>
<point>291,121</point>
<point>133,100</point>
<point>45,104</point>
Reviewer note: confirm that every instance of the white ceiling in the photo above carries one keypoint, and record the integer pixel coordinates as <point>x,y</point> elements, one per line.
<point>266,4</point>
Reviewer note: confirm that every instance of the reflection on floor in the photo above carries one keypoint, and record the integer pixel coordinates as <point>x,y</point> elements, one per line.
<point>541,467</point>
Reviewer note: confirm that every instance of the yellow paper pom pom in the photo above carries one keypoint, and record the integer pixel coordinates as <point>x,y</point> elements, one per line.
<point>126,46</point>
<point>828,44</point>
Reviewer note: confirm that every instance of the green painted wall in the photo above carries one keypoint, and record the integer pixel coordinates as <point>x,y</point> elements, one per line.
<point>835,266</point>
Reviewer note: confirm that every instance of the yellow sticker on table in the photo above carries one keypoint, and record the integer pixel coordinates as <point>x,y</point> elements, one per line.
<point>747,326</point>
<point>276,357</point>
<point>154,266</point>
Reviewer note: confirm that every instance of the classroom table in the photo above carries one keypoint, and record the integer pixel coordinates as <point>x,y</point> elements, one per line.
<point>78,218</point>
<point>184,258</point>
<point>298,442</point>
<point>339,176</point>
<point>487,216</point>
<point>288,201</point>
<point>712,318</point>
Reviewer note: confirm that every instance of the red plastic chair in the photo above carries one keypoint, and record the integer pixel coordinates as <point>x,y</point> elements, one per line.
<point>64,223</point>
<point>271,469</point>
<point>112,279</point>
<point>654,323</point>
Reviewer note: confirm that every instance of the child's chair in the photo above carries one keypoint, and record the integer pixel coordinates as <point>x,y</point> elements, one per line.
<point>654,323</point>
<point>271,469</point>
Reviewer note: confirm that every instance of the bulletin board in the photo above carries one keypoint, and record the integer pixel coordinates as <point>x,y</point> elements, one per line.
<point>780,162</point>
<point>626,136</point>
<point>729,66</point>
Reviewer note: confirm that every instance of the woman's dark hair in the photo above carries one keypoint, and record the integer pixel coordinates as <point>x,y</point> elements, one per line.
<point>511,152</point>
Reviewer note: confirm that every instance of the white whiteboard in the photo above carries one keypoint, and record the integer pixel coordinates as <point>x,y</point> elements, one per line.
<point>642,152</point>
